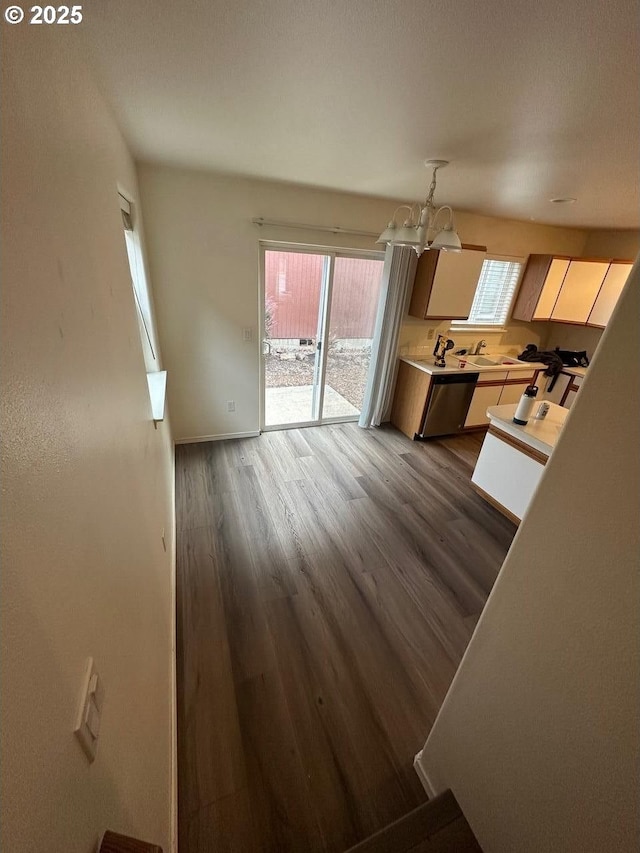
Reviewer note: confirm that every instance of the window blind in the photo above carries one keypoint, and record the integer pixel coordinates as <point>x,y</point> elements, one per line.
<point>494,292</point>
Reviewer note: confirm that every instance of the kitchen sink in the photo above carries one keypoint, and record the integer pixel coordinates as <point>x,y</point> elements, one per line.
<point>492,361</point>
<point>480,359</point>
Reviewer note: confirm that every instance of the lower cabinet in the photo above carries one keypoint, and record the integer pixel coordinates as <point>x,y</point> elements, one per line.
<point>564,390</point>
<point>410,396</point>
<point>512,393</point>
<point>483,397</point>
<point>496,389</point>
<point>572,391</point>
<point>559,388</point>
<point>506,476</point>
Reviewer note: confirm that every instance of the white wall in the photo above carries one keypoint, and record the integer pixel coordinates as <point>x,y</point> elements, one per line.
<point>204,259</point>
<point>538,736</point>
<point>624,245</point>
<point>87,481</point>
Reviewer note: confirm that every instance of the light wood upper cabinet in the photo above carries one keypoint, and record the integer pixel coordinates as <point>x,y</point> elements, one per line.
<point>551,288</point>
<point>445,283</point>
<point>579,290</point>
<point>610,291</point>
<point>570,290</point>
<point>539,288</point>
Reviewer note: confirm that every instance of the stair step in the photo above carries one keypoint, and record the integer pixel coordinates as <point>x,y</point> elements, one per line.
<point>437,826</point>
<point>112,842</point>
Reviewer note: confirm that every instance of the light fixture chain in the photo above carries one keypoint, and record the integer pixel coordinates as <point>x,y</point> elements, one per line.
<point>416,235</point>
<point>432,189</point>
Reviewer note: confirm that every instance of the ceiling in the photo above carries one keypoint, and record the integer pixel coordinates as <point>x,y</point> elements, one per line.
<point>529,101</point>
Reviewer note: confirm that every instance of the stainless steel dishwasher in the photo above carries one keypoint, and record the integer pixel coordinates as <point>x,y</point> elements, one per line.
<point>449,400</point>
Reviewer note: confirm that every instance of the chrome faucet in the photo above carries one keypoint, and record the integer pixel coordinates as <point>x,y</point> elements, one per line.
<point>479,345</point>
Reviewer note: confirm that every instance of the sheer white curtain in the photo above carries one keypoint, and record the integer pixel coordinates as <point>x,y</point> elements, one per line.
<point>397,278</point>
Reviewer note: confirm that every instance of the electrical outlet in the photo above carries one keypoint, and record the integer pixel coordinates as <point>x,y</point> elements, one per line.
<point>247,335</point>
<point>431,334</point>
<point>231,405</point>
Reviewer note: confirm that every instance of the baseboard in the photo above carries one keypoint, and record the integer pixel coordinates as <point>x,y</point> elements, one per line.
<point>422,776</point>
<point>220,437</point>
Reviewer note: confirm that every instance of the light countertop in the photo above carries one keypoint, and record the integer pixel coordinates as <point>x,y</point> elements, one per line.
<point>453,366</point>
<point>575,371</point>
<point>542,434</point>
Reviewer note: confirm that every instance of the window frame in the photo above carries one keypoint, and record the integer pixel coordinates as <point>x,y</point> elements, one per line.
<point>143,306</point>
<point>139,283</point>
<point>484,326</point>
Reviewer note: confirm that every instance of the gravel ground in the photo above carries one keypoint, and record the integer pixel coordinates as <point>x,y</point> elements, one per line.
<point>346,371</point>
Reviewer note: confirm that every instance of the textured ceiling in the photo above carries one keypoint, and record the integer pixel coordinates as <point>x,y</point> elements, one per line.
<point>528,100</point>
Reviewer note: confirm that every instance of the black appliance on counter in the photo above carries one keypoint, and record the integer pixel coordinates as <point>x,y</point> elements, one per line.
<point>442,347</point>
<point>573,358</point>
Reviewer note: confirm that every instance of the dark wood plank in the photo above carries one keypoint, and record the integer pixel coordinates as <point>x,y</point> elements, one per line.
<point>353,747</point>
<point>224,826</point>
<point>457,837</point>
<point>209,741</point>
<point>242,591</point>
<point>281,806</point>
<point>438,826</point>
<point>341,815</point>
<point>336,468</point>
<point>112,842</point>
<point>329,580</point>
<point>195,497</point>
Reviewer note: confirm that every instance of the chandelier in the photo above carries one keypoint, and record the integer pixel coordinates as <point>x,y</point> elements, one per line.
<point>421,222</point>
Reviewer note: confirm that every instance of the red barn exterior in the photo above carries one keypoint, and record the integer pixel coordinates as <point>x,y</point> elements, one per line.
<point>293,282</point>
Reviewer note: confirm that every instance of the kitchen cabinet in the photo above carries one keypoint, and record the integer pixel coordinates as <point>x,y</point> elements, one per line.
<point>486,394</point>
<point>512,393</point>
<point>571,391</point>
<point>410,397</point>
<point>495,389</point>
<point>564,390</point>
<point>506,475</point>
<point>540,286</point>
<point>559,387</point>
<point>512,458</point>
<point>572,394</point>
<point>607,297</point>
<point>516,383</point>
<point>445,283</point>
<point>579,290</point>
<point>414,387</point>
<point>552,286</point>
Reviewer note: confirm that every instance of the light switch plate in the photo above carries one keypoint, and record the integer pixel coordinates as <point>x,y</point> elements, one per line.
<point>89,715</point>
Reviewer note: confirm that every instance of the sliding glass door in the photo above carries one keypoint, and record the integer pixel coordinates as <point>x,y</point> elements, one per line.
<point>319,315</point>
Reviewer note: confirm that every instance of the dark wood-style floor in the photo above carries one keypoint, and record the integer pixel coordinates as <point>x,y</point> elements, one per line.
<point>329,580</point>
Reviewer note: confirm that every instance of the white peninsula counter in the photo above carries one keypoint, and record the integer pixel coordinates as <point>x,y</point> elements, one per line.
<point>513,457</point>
